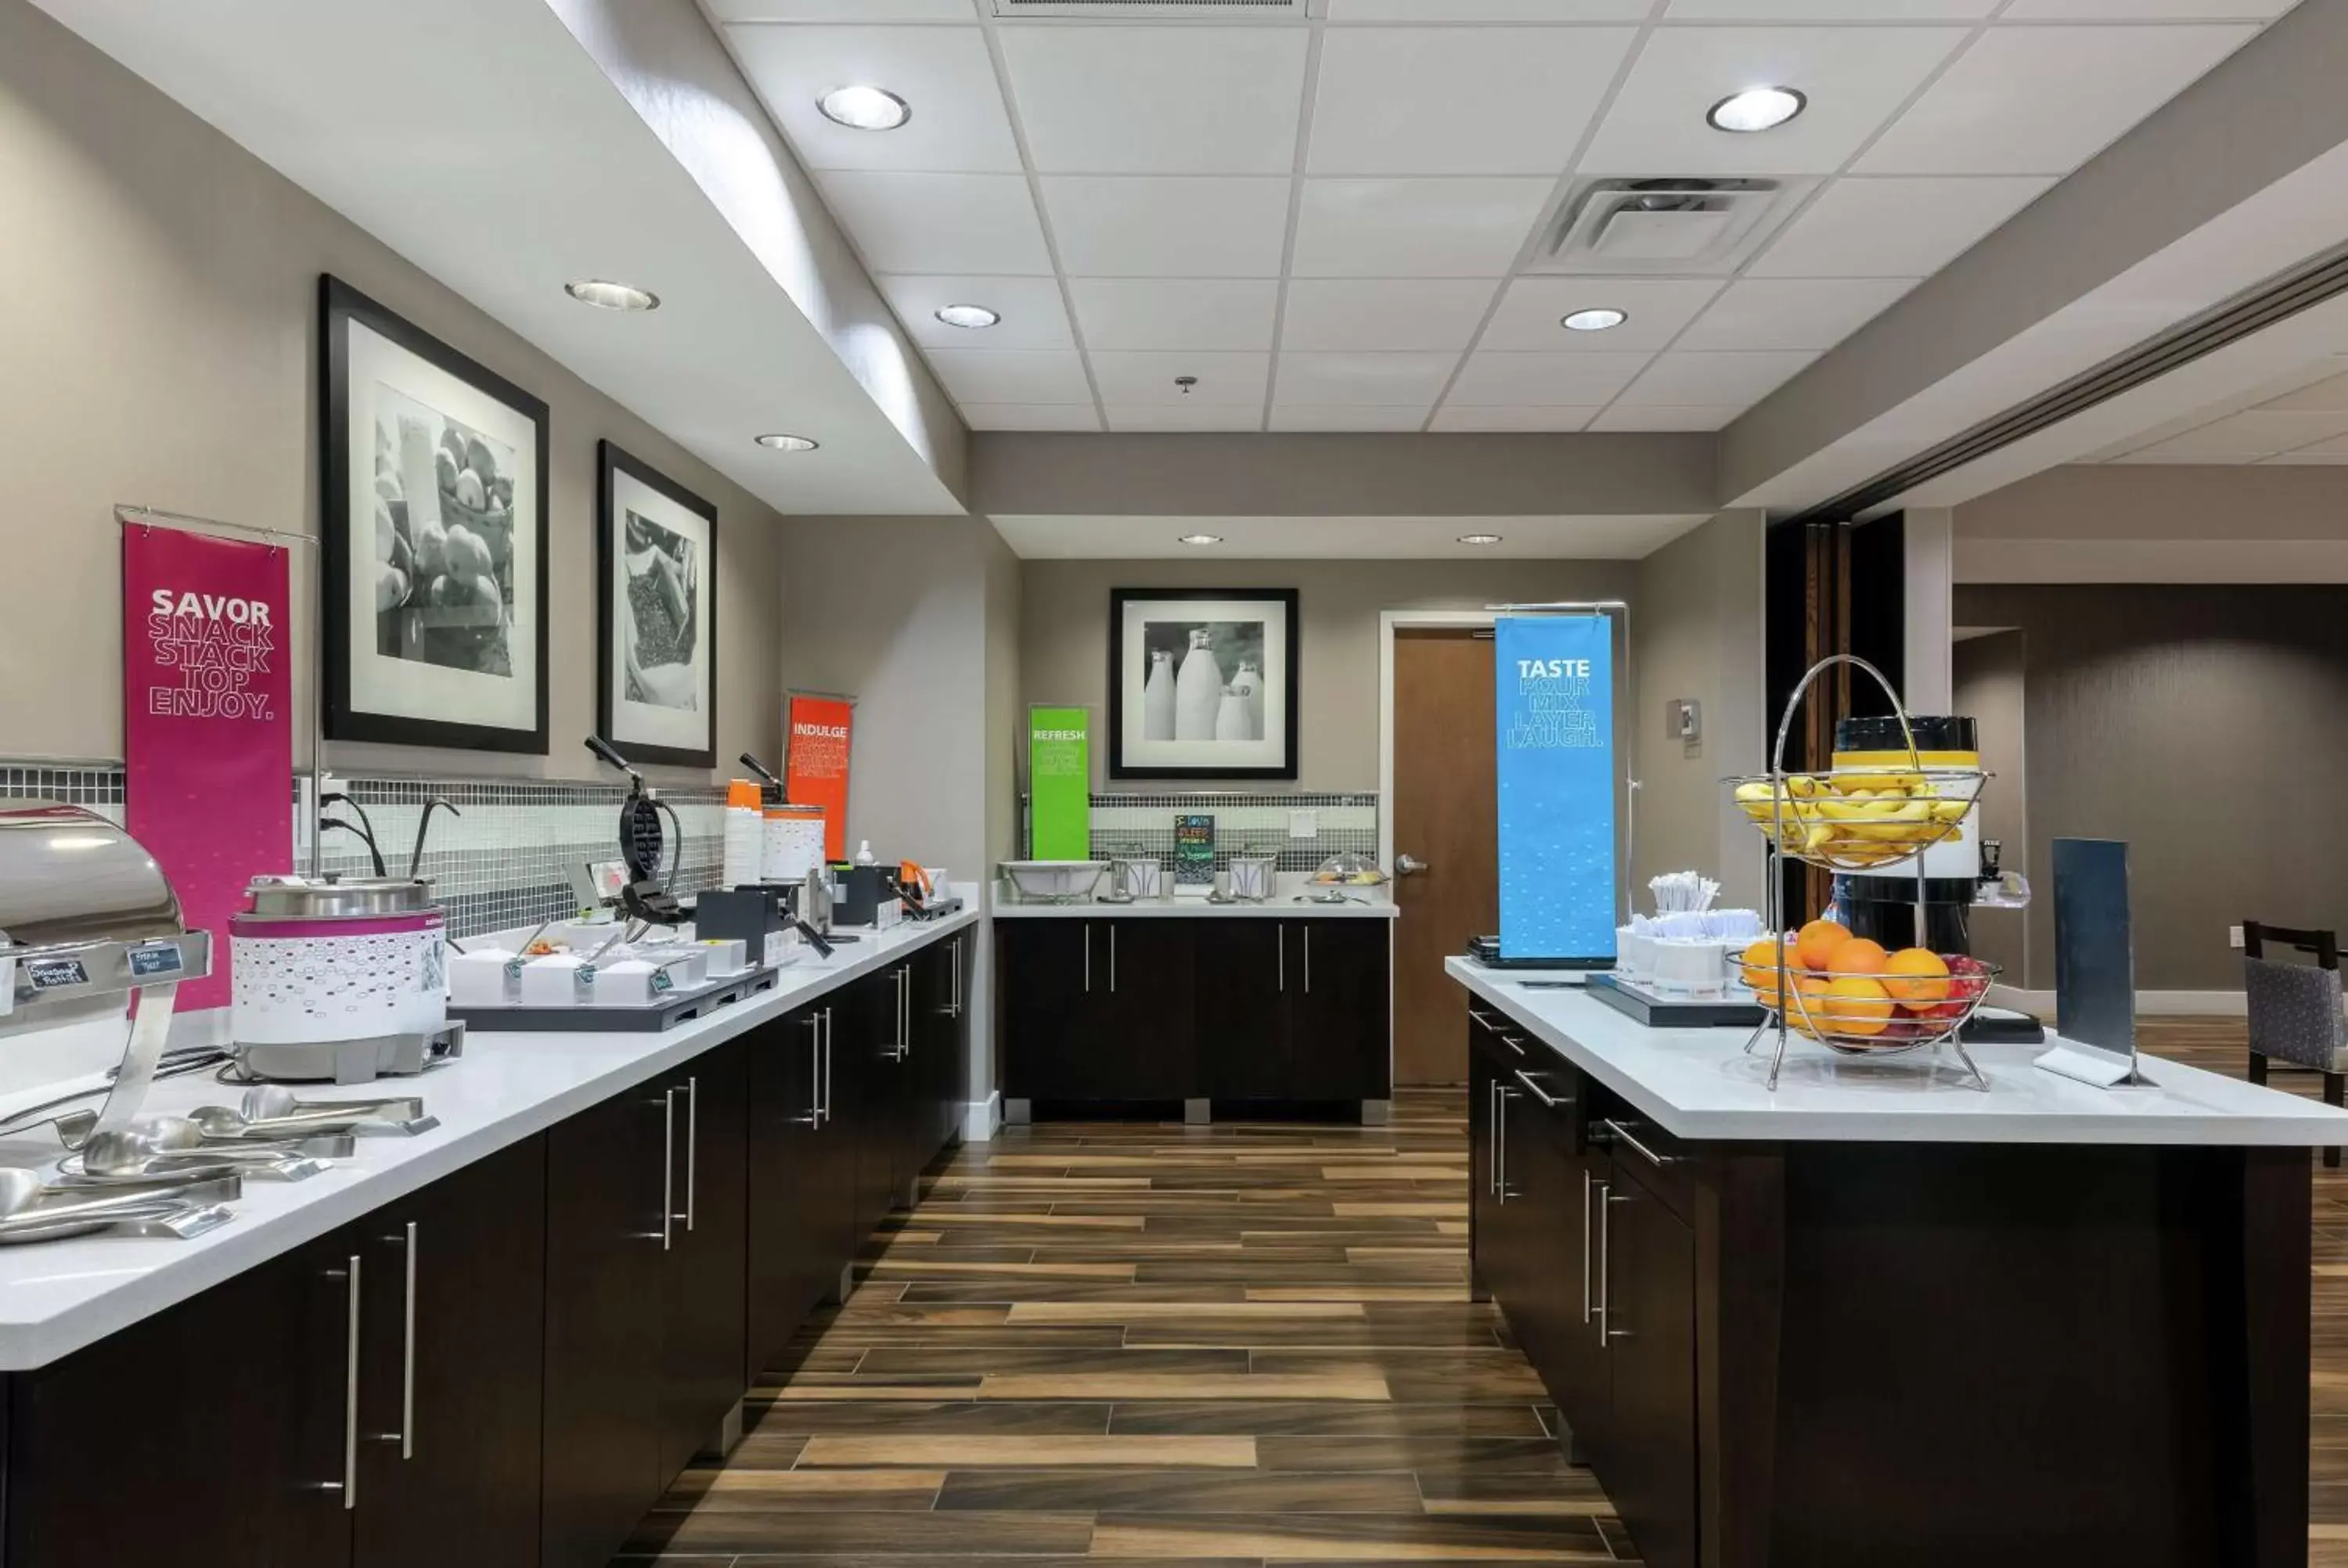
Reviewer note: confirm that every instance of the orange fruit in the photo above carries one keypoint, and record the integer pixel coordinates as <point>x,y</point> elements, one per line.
<point>1858,1004</point>
<point>1808,1014</point>
<point>1856,957</point>
<point>1916,978</point>
<point>1816,943</point>
<point>1760,962</point>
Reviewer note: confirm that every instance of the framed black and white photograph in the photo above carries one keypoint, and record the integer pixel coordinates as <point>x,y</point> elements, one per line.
<point>656,614</point>
<point>434,518</point>
<point>1202,684</point>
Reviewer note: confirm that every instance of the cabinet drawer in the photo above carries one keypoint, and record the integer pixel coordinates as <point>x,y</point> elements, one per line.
<point>1644,1152</point>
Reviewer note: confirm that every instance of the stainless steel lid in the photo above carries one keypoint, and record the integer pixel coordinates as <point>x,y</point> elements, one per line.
<point>354,897</point>
<point>68,876</point>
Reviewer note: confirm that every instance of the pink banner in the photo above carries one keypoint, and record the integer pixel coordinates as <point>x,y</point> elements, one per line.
<point>207,723</point>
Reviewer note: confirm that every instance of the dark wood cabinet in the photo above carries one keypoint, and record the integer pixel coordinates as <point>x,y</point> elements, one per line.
<point>454,1310</point>
<point>1240,976</point>
<point>702,1271</point>
<point>799,1190</point>
<point>1049,1049</point>
<point>1646,1309</point>
<point>1140,1022</point>
<point>1340,1010</point>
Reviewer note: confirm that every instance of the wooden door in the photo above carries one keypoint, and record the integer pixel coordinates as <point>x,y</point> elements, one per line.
<point>1339,1045</point>
<point>702,1364</point>
<point>1443,818</point>
<point>452,1395</point>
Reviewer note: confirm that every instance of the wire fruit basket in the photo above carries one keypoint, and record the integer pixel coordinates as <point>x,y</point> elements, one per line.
<point>1865,819</point>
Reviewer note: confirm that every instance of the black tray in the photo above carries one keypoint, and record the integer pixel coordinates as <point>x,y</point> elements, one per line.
<point>682,1007</point>
<point>1671,1012</point>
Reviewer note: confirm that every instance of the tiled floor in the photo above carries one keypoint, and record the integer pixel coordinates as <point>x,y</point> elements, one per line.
<point>1220,1347</point>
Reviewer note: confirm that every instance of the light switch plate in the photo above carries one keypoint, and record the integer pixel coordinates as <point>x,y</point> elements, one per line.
<point>2234,936</point>
<point>1303,825</point>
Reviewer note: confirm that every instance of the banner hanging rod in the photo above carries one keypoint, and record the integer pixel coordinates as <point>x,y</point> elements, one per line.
<point>155,517</point>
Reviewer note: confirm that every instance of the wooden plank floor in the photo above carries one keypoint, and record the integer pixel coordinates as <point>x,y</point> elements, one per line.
<point>1218,1348</point>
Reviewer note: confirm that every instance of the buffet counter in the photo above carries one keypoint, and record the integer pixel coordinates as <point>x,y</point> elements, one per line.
<point>1882,1316</point>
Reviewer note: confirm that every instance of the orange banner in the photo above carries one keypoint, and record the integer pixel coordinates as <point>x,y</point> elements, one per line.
<point>814,763</point>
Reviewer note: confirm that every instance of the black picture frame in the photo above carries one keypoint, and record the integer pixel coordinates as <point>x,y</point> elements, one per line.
<point>611,460</point>
<point>339,307</point>
<point>1284,600</point>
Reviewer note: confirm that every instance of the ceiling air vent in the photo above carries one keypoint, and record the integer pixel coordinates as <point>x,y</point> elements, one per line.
<point>1680,226</point>
<point>1152,10</point>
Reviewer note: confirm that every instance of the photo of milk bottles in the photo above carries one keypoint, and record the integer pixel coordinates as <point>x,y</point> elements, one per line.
<point>1205,680</point>
<point>1158,698</point>
<point>1249,684</point>
<point>1197,690</point>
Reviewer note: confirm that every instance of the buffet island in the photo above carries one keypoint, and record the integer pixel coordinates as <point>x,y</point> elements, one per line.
<point>1898,1310</point>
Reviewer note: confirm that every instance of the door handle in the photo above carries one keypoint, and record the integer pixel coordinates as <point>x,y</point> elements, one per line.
<point>1588,1182</point>
<point>1088,957</point>
<point>1308,960</point>
<point>406,1436</point>
<point>814,1118</point>
<point>1112,960</point>
<point>1549,1101</point>
<point>1502,1095</point>
<point>1408,865</point>
<point>1607,1332</point>
<point>1623,1134</point>
<point>953,999</point>
<point>1279,935</point>
<point>692,1148</point>
<point>349,1485</point>
<point>830,1078</point>
<point>668,1165</point>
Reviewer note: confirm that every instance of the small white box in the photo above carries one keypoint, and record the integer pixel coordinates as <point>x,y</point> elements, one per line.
<point>688,963</point>
<point>727,955</point>
<point>481,978</point>
<point>637,983</point>
<point>551,981</point>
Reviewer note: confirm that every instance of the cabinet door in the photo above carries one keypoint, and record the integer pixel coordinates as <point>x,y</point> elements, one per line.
<point>704,1267</point>
<point>1142,1039</point>
<point>1483,1163</point>
<point>451,1379</point>
<point>871,1092</point>
<point>944,1047</point>
<point>1341,1017</point>
<point>1647,1461</point>
<point>212,1432</point>
<point>1045,966</point>
<point>795,1215</point>
<point>1243,972</point>
<point>604,1325</point>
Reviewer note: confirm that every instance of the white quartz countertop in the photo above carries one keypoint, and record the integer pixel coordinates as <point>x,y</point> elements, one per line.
<point>1699,1083</point>
<point>58,1296</point>
<point>1361,904</point>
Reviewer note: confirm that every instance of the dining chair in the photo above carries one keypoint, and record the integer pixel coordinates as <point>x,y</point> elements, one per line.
<point>2296,1013</point>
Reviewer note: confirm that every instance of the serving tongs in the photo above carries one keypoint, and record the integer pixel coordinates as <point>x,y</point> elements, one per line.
<point>272,1112</point>
<point>34,1210</point>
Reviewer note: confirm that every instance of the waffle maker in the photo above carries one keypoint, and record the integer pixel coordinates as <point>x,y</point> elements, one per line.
<point>647,895</point>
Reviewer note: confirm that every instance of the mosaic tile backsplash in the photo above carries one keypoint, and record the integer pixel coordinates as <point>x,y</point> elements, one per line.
<point>504,862</point>
<point>1244,823</point>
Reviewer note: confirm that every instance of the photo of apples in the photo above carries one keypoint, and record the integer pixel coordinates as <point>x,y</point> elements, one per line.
<point>443,538</point>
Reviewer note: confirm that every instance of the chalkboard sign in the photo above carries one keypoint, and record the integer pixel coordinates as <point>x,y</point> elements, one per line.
<point>1194,851</point>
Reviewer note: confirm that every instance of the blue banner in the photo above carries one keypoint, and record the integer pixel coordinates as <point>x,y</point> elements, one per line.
<point>1554,676</point>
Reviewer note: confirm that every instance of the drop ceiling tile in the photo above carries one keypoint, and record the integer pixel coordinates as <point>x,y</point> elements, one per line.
<point>1176,312</point>
<point>1354,11</point>
<point>1012,374</point>
<point>1135,378</point>
<point>928,224</point>
<point>1416,228</point>
<point>1532,310</point>
<point>844,10</point>
<point>1894,226</point>
<point>1108,227</point>
<point>1151,416</point>
<point>1347,416</point>
<point>2043,100</point>
<point>1459,100</point>
<point>2328,394</point>
<point>1384,312</point>
<point>1034,315</point>
<point>1366,379</point>
<point>1685,379</point>
<point>1458,418</point>
<point>959,121</point>
<point>2145,10</point>
<point>1857,79</point>
<point>1828,10</point>
<point>1158,100</point>
<point>2259,433</point>
<point>2327,452</point>
<point>1791,313</point>
<point>1626,419</point>
<point>1030,416</point>
<point>1546,380</point>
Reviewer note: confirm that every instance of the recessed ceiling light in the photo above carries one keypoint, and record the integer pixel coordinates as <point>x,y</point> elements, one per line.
<point>1755,108</point>
<point>972,316</point>
<point>1594,321</point>
<point>789,443</point>
<point>1480,539</point>
<point>605,295</point>
<point>864,108</point>
<point>1201,539</point>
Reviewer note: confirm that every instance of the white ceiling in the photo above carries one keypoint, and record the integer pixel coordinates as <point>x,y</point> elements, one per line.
<point>1329,222</point>
<point>2300,417</point>
<point>1076,538</point>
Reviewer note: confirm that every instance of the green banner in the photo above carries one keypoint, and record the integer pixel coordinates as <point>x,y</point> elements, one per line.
<point>1059,784</point>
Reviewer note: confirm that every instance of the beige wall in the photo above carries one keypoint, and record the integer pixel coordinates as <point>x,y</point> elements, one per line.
<point>2199,723</point>
<point>161,350</point>
<point>1064,634</point>
<point>1695,632</point>
<point>1989,687</point>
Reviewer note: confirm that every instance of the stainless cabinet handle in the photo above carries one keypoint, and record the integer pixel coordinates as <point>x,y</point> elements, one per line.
<point>1501,1124</point>
<point>1308,960</point>
<point>1279,935</point>
<point>1112,960</point>
<point>814,1118</point>
<point>350,1482</point>
<point>692,1147</point>
<point>1513,1043</point>
<point>1492,1124</point>
<point>668,1165</point>
<point>1658,1161</point>
<point>831,1073</point>
<point>408,1354</point>
<point>1484,1020</point>
<point>1588,1182</point>
<point>1548,1103</point>
<point>1088,956</point>
<point>1607,1332</point>
<point>954,998</point>
<point>905,1011</point>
